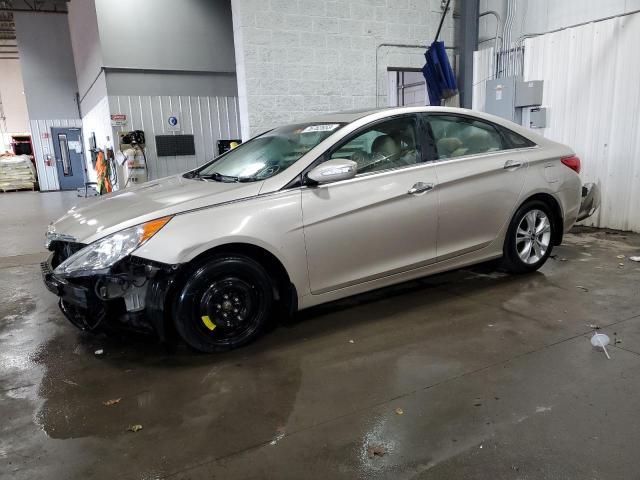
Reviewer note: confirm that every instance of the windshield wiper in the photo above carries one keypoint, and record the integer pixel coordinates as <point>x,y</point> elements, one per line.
<point>219,177</point>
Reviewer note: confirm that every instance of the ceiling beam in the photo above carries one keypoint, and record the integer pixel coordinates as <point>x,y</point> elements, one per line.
<point>40,6</point>
<point>63,12</point>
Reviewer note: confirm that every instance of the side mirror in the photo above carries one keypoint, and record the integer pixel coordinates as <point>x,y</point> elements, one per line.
<point>334,171</point>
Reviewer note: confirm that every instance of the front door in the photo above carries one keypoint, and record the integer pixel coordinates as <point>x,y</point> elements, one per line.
<point>381,222</point>
<point>67,147</point>
<point>480,178</point>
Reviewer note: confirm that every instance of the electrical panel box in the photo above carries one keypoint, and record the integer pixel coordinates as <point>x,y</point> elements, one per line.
<point>528,93</point>
<point>538,118</point>
<point>500,98</point>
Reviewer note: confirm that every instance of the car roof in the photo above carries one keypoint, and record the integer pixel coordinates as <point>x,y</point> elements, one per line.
<point>348,116</point>
<point>345,116</point>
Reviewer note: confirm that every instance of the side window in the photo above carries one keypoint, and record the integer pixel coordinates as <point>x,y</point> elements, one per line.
<point>389,144</point>
<point>458,136</point>
<point>515,140</point>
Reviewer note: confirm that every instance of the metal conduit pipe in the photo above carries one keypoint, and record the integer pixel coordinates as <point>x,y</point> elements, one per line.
<point>490,39</point>
<point>506,41</point>
<point>502,60</point>
<point>512,53</point>
<point>519,53</point>
<point>498,36</point>
<point>522,38</point>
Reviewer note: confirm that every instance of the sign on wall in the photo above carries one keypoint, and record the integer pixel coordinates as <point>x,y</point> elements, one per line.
<point>118,120</point>
<point>173,122</point>
<point>75,145</point>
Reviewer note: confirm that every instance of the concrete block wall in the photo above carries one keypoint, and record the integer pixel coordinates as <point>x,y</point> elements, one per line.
<point>297,58</point>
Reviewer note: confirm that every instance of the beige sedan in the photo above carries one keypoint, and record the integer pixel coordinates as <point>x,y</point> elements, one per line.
<point>312,212</point>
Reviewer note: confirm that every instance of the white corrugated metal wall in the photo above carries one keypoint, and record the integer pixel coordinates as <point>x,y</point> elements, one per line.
<point>208,119</point>
<point>591,89</point>
<point>483,70</point>
<point>47,175</point>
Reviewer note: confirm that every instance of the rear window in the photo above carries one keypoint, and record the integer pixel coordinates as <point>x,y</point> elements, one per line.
<point>515,140</point>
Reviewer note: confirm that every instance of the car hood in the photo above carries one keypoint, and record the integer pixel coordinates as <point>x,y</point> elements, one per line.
<point>101,216</point>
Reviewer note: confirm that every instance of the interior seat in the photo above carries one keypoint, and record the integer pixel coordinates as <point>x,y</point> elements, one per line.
<point>386,146</point>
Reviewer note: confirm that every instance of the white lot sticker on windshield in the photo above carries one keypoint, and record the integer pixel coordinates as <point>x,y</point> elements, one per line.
<point>325,127</point>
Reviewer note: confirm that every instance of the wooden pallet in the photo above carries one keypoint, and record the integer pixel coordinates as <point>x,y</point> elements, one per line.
<point>25,189</point>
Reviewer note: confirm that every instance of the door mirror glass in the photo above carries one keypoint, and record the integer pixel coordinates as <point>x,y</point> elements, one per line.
<point>334,170</point>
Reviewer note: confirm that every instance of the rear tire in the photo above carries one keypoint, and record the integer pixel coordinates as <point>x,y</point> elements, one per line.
<point>224,303</point>
<point>529,239</point>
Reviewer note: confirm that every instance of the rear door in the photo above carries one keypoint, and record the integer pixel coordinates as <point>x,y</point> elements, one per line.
<point>68,150</point>
<point>381,222</point>
<point>480,178</point>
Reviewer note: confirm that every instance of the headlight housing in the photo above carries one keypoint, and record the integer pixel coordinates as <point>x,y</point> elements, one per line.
<point>102,254</point>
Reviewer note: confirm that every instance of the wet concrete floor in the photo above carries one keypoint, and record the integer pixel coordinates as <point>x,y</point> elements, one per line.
<point>470,374</point>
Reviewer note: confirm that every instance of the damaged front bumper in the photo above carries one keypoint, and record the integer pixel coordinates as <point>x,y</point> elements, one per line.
<point>130,296</point>
<point>590,200</point>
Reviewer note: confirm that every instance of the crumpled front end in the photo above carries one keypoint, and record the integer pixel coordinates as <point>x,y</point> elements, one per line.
<point>129,296</point>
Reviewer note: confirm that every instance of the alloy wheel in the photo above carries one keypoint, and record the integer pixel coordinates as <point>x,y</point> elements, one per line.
<point>533,236</point>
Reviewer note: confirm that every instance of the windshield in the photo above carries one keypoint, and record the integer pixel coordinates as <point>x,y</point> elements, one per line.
<point>268,154</point>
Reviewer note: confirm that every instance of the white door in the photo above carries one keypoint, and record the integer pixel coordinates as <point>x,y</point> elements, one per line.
<point>381,222</point>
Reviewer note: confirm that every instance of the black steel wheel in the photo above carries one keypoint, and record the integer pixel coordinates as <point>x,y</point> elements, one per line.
<point>224,303</point>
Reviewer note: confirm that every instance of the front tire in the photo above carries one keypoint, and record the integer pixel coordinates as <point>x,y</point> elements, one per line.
<point>224,303</point>
<point>529,239</point>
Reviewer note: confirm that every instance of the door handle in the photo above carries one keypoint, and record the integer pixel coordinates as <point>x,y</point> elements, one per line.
<point>420,187</point>
<point>512,165</point>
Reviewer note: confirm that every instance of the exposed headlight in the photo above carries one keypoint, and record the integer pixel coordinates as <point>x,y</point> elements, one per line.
<point>103,253</point>
<point>49,236</point>
<point>52,235</point>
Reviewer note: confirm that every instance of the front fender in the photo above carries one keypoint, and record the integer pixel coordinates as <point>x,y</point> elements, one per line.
<point>271,221</point>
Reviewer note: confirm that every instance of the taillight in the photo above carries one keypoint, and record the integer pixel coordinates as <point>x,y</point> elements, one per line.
<point>573,162</point>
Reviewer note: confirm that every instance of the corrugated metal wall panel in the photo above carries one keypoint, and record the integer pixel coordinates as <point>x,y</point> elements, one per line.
<point>208,119</point>
<point>47,175</point>
<point>591,76</point>
<point>483,70</point>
